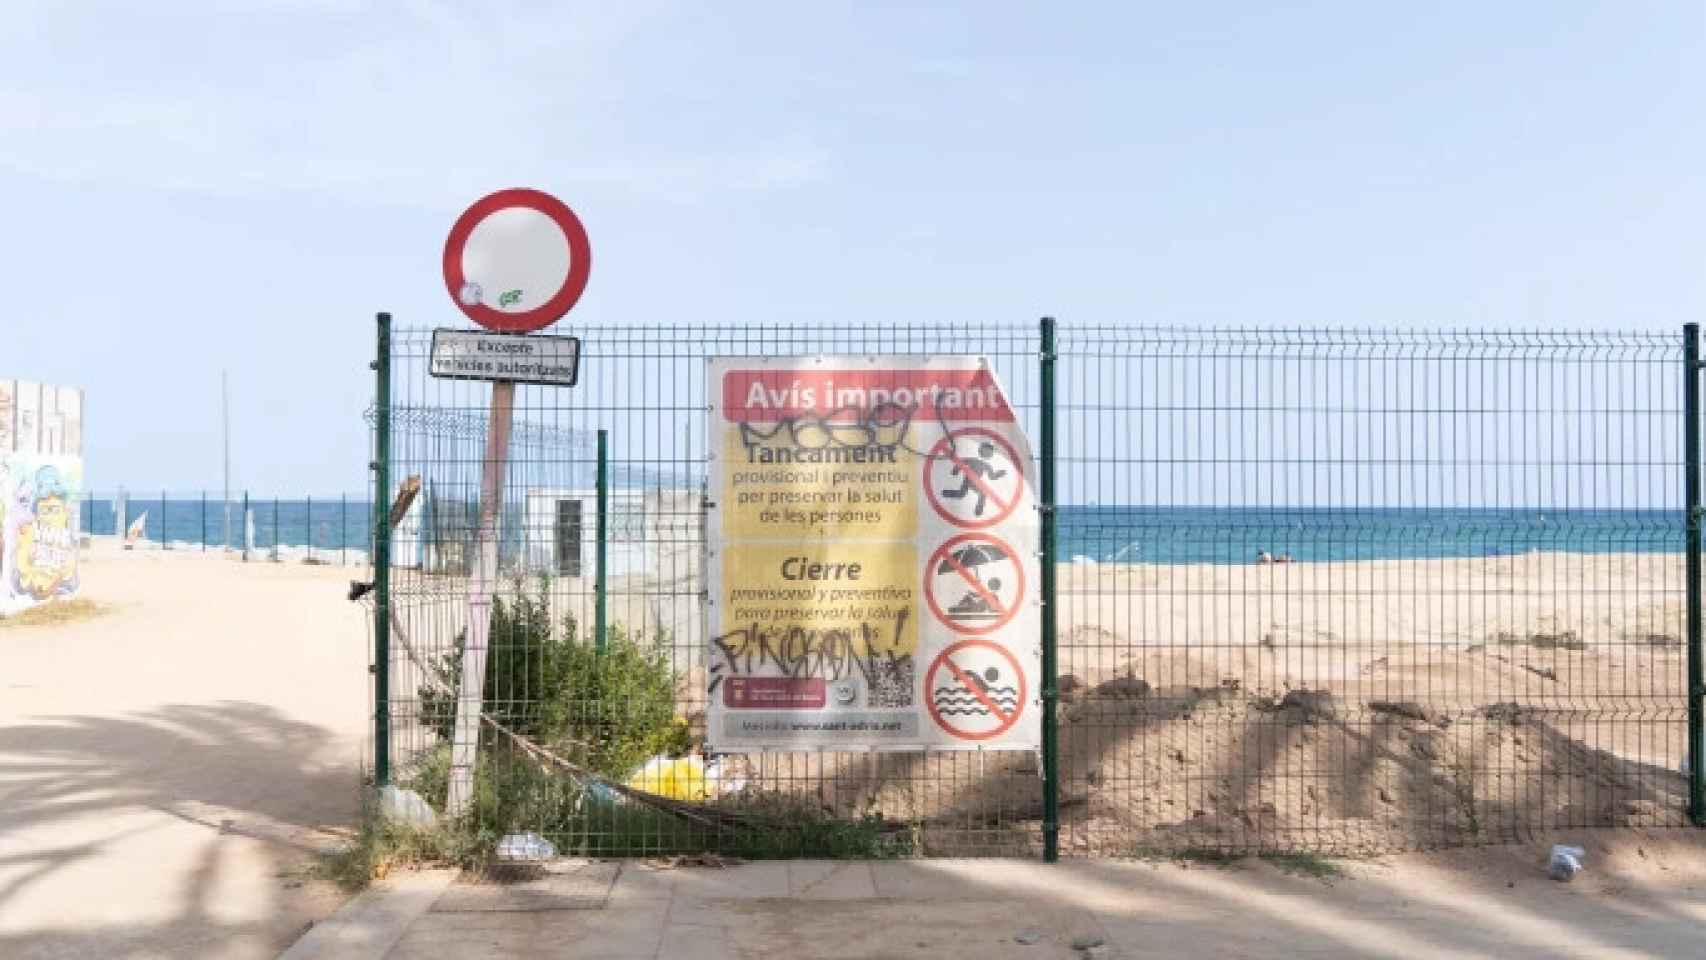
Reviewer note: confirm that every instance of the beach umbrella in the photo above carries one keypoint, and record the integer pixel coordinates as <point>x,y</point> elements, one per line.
<point>972,555</point>
<point>135,532</point>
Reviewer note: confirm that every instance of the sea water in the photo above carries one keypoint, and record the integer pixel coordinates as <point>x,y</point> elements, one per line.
<point>1104,534</point>
<point>1171,535</point>
<point>326,524</point>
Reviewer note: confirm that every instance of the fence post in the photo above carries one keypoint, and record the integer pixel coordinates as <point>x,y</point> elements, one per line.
<point>382,557</point>
<point>203,526</point>
<point>1050,691</point>
<point>602,549</point>
<point>1691,497</point>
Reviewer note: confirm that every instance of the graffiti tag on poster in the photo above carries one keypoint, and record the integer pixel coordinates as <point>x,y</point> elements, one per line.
<point>842,562</point>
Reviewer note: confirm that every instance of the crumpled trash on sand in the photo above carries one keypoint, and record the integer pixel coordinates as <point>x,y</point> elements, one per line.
<point>690,778</point>
<point>1565,862</point>
<point>525,848</point>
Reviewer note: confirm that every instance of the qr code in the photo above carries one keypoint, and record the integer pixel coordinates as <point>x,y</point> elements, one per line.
<point>891,684</point>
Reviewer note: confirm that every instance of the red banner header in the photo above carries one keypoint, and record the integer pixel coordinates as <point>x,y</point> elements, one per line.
<point>769,396</point>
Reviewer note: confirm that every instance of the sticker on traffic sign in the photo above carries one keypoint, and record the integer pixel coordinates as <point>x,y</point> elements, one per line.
<point>973,478</point>
<point>517,260</point>
<point>975,690</point>
<point>974,583</point>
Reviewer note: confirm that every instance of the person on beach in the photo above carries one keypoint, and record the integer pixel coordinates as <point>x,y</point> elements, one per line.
<point>1264,557</point>
<point>973,606</point>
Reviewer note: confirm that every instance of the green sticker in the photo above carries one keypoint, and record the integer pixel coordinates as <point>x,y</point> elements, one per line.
<point>509,298</point>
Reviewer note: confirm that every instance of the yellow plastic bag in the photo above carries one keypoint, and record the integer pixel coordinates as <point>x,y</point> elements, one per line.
<point>678,778</point>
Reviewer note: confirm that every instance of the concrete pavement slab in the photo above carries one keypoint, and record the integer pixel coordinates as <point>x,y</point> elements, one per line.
<point>628,934</point>
<point>374,922</point>
<point>745,881</point>
<point>1456,904</point>
<point>830,880</point>
<point>561,885</point>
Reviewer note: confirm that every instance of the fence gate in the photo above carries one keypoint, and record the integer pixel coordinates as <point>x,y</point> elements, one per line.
<point>1303,590</point>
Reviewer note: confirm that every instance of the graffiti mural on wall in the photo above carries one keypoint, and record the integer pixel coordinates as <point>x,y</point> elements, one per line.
<point>40,528</point>
<point>41,485</point>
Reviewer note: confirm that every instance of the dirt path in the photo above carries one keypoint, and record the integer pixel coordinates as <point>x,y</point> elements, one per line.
<point>168,769</point>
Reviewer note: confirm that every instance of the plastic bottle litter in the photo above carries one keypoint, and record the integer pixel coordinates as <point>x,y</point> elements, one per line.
<point>1565,863</point>
<point>406,806</point>
<point>525,848</point>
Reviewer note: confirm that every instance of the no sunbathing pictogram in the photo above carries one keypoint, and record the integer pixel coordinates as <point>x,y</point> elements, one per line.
<point>974,583</point>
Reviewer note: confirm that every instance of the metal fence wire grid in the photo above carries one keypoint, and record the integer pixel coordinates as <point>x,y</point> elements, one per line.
<point>1337,591</point>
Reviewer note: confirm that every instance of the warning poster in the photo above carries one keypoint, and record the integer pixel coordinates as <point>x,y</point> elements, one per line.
<point>872,557</point>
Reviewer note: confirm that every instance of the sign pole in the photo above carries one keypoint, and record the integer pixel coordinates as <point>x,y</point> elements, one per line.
<point>465,743</point>
<point>381,544</point>
<point>600,624</point>
<point>515,262</point>
<point>1692,564</point>
<point>1051,609</point>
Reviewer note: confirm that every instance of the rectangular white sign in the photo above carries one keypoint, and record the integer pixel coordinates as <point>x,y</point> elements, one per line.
<point>530,358</point>
<point>872,563</point>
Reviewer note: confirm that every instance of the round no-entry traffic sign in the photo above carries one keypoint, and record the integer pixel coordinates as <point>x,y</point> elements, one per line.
<point>975,690</point>
<point>517,260</point>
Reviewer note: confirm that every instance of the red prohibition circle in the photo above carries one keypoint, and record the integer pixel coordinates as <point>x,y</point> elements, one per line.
<point>943,451</point>
<point>930,685</point>
<point>946,550</point>
<point>552,310</point>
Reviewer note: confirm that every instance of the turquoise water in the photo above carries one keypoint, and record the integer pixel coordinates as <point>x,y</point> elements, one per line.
<point>1234,534</point>
<point>328,524</point>
<point>1100,533</point>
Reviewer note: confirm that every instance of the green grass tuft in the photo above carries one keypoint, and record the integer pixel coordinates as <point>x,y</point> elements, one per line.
<point>1304,865</point>
<point>1210,856</point>
<point>55,611</point>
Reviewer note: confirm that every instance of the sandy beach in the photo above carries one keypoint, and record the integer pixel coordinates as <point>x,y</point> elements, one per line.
<point>1363,706</point>
<point>172,765</point>
<point>1359,707</point>
<point>1375,705</point>
<point>169,768</point>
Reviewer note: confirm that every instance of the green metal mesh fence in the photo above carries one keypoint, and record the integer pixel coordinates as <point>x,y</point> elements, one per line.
<point>1346,591</point>
<point>1363,591</point>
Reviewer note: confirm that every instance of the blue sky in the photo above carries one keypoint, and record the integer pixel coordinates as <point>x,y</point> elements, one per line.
<point>198,184</point>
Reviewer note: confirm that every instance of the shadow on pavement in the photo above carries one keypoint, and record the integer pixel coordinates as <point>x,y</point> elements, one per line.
<point>74,789</point>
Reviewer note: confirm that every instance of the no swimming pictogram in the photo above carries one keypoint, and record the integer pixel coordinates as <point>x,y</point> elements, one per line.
<point>974,478</point>
<point>974,583</point>
<point>975,690</point>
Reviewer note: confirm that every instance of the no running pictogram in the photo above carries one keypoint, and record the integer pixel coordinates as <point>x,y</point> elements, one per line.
<point>974,478</point>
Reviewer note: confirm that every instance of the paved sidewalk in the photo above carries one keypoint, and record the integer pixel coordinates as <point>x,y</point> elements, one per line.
<point>1492,902</point>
